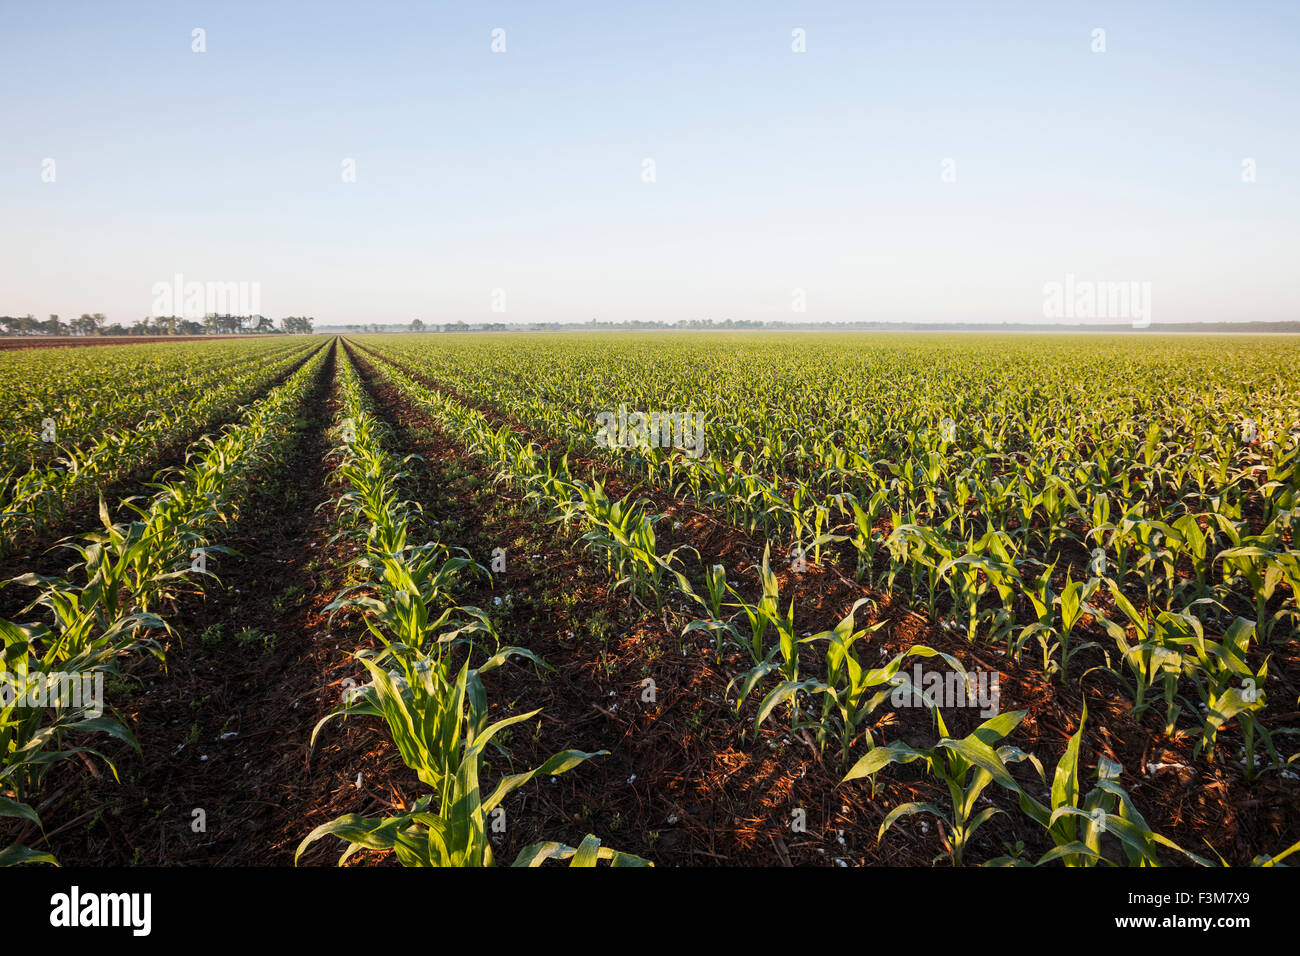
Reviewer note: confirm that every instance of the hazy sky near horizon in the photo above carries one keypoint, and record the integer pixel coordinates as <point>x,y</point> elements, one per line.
<point>774,170</point>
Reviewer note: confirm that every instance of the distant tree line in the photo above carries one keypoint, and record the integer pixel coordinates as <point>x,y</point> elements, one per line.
<point>419,325</point>
<point>97,324</point>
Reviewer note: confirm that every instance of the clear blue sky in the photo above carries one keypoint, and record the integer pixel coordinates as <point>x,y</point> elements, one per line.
<point>774,170</point>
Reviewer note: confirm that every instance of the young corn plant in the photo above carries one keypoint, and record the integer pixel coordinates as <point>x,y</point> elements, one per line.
<point>626,534</point>
<point>1106,809</point>
<point>439,723</point>
<point>1261,569</point>
<point>1157,657</point>
<point>761,614</point>
<point>1054,641</point>
<point>1113,813</point>
<point>715,582</point>
<point>766,614</point>
<point>1065,795</point>
<point>958,764</point>
<point>33,738</point>
<point>1215,667</point>
<point>866,541</point>
<point>985,566</point>
<point>851,692</point>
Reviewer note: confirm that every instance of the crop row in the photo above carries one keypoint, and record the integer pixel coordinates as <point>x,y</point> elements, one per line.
<point>32,500</point>
<point>110,603</point>
<point>56,400</point>
<point>423,682</point>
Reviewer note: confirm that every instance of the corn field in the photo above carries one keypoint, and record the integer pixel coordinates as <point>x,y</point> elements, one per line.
<point>653,599</point>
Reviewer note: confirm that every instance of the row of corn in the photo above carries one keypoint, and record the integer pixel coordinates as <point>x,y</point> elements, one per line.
<point>111,602</point>
<point>34,497</point>
<point>86,392</point>
<point>426,672</point>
